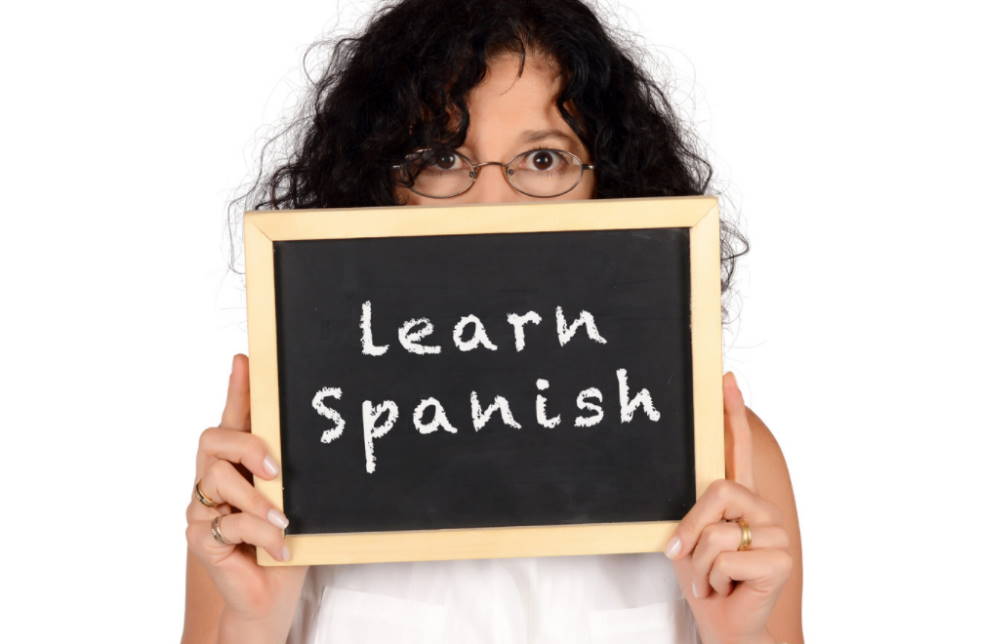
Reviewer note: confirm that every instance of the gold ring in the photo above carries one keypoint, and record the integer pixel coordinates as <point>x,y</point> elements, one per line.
<point>745,537</point>
<point>205,500</point>
<point>217,533</point>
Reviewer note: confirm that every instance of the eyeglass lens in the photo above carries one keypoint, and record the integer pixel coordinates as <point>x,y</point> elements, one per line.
<point>539,173</point>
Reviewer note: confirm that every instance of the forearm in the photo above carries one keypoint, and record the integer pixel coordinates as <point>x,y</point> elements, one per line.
<point>202,605</point>
<point>765,638</point>
<point>270,625</point>
<point>238,631</point>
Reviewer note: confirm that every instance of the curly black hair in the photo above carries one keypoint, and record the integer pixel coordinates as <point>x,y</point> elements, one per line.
<point>402,83</point>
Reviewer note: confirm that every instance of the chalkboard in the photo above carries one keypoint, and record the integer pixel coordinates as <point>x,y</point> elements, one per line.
<point>475,370</point>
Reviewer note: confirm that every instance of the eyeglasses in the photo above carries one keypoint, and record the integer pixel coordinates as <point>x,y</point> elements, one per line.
<point>441,173</point>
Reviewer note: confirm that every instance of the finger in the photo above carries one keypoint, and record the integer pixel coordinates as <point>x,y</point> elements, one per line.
<point>239,447</point>
<point>224,484</point>
<point>761,570</point>
<point>236,528</point>
<point>740,461</point>
<point>725,537</point>
<point>724,499</point>
<point>236,414</point>
<point>198,511</point>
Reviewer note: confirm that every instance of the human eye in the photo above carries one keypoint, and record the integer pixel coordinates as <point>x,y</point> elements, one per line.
<point>442,160</point>
<point>544,160</point>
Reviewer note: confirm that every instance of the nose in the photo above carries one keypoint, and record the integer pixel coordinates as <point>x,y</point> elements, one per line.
<point>492,187</point>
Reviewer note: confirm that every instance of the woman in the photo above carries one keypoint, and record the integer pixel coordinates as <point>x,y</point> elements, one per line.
<point>400,116</point>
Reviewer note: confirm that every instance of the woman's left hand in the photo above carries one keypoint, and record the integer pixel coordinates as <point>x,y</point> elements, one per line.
<point>732,593</point>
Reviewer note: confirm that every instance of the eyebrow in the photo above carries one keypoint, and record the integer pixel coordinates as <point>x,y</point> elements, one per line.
<point>530,136</point>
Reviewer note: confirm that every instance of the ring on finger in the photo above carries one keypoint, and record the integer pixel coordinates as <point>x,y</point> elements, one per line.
<point>205,500</point>
<point>745,537</point>
<point>217,533</point>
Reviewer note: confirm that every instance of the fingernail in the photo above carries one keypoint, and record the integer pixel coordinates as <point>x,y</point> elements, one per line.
<point>232,367</point>
<point>277,518</point>
<point>285,556</point>
<point>694,590</point>
<point>673,547</point>
<point>270,466</point>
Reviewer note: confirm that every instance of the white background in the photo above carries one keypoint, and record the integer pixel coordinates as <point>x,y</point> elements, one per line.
<point>855,143</point>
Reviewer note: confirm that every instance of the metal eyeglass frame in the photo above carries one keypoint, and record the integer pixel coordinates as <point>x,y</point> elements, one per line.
<point>477,165</point>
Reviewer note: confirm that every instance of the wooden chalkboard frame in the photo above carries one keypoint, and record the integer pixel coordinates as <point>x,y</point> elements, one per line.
<point>699,214</point>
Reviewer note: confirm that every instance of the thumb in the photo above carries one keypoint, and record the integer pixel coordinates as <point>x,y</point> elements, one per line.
<point>236,414</point>
<point>739,443</point>
<point>684,572</point>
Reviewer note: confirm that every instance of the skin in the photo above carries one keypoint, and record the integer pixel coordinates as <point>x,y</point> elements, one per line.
<point>751,597</point>
<point>503,112</point>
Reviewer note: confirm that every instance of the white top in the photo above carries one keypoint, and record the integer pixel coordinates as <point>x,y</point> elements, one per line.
<point>586,599</point>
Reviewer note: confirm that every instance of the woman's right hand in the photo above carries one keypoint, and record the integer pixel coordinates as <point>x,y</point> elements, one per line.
<point>256,598</point>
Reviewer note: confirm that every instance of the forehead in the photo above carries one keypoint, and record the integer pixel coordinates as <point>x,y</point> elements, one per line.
<point>504,80</point>
<point>505,105</point>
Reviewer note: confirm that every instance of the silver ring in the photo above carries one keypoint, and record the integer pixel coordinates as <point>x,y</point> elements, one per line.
<point>217,533</point>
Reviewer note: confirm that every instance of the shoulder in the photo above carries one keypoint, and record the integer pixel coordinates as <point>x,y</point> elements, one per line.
<point>766,451</point>
<point>773,483</point>
<point>770,471</point>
